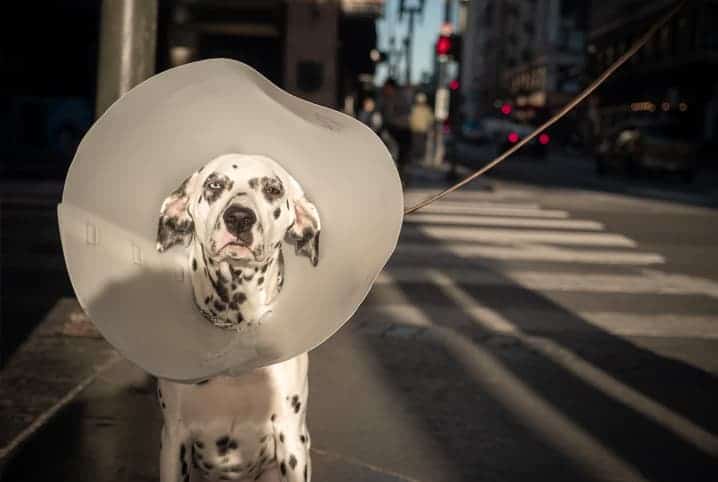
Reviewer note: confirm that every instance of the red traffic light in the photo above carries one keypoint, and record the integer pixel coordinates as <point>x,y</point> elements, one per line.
<point>513,137</point>
<point>506,109</point>
<point>443,45</point>
<point>454,85</point>
<point>544,139</point>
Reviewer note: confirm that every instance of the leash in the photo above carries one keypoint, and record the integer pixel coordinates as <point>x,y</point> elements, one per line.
<point>556,117</point>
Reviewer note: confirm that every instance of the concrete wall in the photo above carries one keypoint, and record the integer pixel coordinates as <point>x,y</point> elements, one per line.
<point>311,50</point>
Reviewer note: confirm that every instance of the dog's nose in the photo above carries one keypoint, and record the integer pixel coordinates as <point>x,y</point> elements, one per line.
<point>239,219</point>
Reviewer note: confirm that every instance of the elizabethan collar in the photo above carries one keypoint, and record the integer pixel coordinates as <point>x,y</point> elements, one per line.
<point>192,216</point>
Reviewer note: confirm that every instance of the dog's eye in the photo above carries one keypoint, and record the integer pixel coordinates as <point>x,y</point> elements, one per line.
<point>216,185</point>
<point>273,190</point>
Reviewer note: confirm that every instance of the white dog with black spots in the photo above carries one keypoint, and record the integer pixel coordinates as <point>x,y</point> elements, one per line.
<point>233,216</point>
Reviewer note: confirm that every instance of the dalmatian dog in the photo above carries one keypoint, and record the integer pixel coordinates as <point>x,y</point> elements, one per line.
<point>233,216</point>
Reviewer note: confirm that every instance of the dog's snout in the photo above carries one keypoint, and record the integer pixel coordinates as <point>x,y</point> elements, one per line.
<point>239,219</point>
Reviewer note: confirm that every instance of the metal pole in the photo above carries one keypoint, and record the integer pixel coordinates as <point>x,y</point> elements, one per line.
<point>441,84</point>
<point>409,42</point>
<point>128,38</point>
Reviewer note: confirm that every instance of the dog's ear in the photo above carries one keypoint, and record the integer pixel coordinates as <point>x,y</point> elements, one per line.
<point>304,232</point>
<point>176,225</point>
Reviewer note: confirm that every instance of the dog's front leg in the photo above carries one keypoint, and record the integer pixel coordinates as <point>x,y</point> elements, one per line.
<point>292,443</point>
<point>175,455</point>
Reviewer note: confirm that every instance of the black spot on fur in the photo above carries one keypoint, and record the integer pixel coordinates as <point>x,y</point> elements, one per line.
<point>198,443</point>
<point>277,212</point>
<point>239,298</point>
<point>253,183</point>
<point>297,407</point>
<point>283,468</point>
<point>260,280</point>
<point>234,166</point>
<point>182,460</point>
<point>281,437</point>
<point>292,461</point>
<point>232,445</point>
<point>201,383</point>
<point>264,268</point>
<point>206,300</point>
<point>220,287</point>
<point>248,278</point>
<point>273,417</point>
<point>162,405</point>
<point>219,306</point>
<point>303,439</point>
<point>305,472</point>
<point>194,265</point>
<point>234,286</point>
<point>173,230</point>
<point>287,203</point>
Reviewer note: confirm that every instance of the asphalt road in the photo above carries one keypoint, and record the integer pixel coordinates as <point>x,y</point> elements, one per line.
<point>525,329</point>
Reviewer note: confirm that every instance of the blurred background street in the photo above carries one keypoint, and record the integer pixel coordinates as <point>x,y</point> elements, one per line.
<point>554,320</point>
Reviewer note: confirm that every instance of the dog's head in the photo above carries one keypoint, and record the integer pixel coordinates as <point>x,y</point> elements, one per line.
<point>239,208</point>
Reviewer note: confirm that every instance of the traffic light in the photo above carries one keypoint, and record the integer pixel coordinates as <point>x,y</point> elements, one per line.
<point>443,45</point>
<point>449,46</point>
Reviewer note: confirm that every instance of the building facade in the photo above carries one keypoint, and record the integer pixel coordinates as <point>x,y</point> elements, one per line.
<point>528,53</point>
<point>673,79</point>
<point>310,48</point>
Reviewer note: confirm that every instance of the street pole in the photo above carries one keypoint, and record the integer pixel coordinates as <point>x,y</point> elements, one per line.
<point>128,38</point>
<point>441,84</point>
<point>408,43</point>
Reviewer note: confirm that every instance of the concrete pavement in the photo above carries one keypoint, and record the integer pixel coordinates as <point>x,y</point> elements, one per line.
<point>520,332</point>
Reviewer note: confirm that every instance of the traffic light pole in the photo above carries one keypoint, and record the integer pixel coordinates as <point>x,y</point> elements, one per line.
<point>441,86</point>
<point>128,38</point>
<point>408,43</point>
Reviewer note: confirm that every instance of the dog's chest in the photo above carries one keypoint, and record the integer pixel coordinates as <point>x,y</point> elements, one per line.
<point>229,420</point>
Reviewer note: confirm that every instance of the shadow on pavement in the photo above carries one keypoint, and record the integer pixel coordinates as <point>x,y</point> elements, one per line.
<point>595,394</point>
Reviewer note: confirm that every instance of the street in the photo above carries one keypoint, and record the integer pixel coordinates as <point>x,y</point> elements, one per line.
<point>541,324</point>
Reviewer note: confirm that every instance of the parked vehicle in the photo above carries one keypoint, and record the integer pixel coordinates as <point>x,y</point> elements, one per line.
<point>510,133</point>
<point>636,148</point>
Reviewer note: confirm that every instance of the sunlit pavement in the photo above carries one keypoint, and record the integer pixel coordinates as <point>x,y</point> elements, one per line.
<point>522,331</point>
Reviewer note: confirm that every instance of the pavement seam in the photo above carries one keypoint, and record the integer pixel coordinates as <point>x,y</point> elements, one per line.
<point>43,418</point>
<point>360,463</point>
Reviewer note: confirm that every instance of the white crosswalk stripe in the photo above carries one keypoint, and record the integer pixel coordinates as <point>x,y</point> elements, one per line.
<point>478,220</point>
<point>484,226</point>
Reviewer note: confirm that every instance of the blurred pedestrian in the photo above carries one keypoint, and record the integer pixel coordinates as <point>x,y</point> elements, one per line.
<point>395,114</point>
<point>420,122</point>
<point>370,115</point>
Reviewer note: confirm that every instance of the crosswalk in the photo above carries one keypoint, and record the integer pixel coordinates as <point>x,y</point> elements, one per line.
<point>503,265</point>
<point>504,245</point>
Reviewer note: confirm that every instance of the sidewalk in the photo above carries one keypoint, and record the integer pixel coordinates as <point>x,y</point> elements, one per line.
<point>110,430</point>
